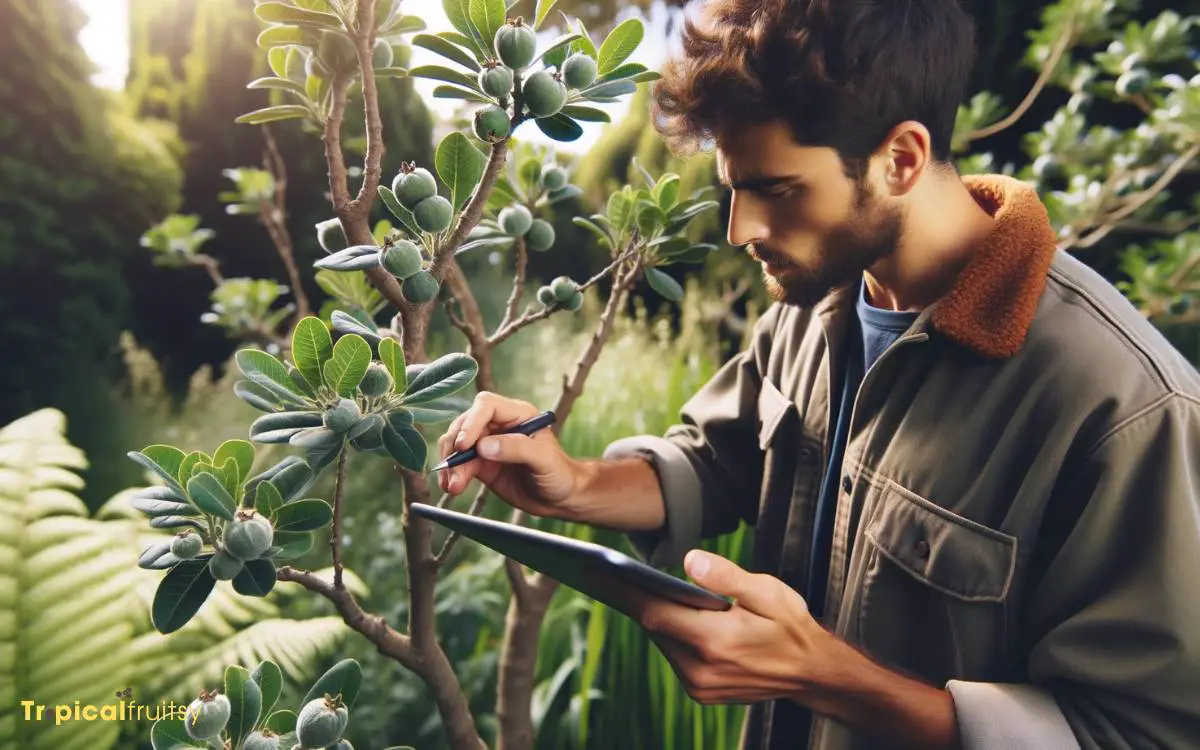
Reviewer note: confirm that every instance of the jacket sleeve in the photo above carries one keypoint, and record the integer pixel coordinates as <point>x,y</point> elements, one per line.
<point>709,465</point>
<point>1115,619</point>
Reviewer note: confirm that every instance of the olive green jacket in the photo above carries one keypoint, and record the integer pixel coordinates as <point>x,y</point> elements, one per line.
<point>1019,514</point>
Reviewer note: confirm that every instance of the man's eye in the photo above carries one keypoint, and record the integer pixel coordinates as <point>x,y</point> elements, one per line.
<point>784,192</point>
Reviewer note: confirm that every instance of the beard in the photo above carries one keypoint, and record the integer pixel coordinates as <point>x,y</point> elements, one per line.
<point>871,233</point>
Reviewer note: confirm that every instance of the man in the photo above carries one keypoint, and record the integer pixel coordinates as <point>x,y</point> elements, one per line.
<point>973,468</point>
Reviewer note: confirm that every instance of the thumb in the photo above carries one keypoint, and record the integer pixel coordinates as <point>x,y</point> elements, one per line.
<point>753,591</point>
<point>515,449</point>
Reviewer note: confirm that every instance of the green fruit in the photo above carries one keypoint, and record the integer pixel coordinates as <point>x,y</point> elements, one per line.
<point>341,745</point>
<point>579,71</point>
<point>314,67</point>
<point>515,220</point>
<point>414,186</point>
<point>337,52</point>
<point>420,287</point>
<point>1134,81</point>
<point>543,94</point>
<point>516,44</point>
<point>433,214</point>
<point>540,236</point>
<point>554,177</point>
<point>545,295</point>
<point>342,415</point>
<point>575,302</point>
<point>321,723</point>
<point>187,545</point>
<point>402,259</point>
<point>496,81</point>
<point>331,236</point>
<point>248,536</point>
<point>563,288</point>
<point>376,381</point>
<point>264,740</point>
<point>207,716</point>
<point>491,124</point>
<point>224,566</point>
<point>382,55</point>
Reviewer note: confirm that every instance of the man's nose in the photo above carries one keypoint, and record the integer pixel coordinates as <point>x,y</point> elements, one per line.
<point>746,223</point>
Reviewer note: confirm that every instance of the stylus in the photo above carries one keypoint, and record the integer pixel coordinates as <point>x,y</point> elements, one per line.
<point>528,427</point>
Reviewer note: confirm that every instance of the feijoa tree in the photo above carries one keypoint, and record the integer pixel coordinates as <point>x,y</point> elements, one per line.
<point>350,386</point>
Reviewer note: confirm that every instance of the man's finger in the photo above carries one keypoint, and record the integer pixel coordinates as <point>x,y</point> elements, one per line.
<point>758,593</point>
<point>490,409</point>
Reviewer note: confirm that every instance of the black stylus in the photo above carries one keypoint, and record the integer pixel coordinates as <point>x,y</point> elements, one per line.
<point>528,427</point>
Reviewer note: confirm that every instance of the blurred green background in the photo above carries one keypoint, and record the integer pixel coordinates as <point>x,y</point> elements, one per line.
<point>107,351</point>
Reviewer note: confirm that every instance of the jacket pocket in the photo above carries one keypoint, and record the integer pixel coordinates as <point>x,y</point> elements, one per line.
<point>935,589</point>
<point>777,418</point>
<point>773,408</point>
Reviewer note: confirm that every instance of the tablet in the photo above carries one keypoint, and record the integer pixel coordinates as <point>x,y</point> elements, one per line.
<point>589,568</point>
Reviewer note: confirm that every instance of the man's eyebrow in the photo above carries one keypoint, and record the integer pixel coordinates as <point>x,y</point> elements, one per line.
<point>759,182</point>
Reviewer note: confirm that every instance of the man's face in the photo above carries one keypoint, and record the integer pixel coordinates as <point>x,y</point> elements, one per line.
<point>793,207</point>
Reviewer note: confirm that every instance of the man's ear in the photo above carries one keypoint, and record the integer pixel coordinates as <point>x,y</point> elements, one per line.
<point>906,155</point>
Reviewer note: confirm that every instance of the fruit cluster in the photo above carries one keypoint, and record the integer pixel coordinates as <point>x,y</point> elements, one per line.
<point>247,537</point>
<point>416,189</point>
<point>561,291</point>
<point>321,724</point>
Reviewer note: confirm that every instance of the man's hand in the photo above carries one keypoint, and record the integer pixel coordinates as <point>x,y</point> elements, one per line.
<point>768,646</point>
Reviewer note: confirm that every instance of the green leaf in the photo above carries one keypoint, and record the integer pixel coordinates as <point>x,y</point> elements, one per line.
<point>245,702</point>
<point>441,410</point>
<point>447,50</point>
<point>664,284</point>
<point>392,72</point>
<point>560,43</point>
<point>228,474</point>
<point>303,515</point>
<point>620,211</point>
<point>267,499</point>
<point>445,375</point>
<point>163,460</point>
<point>269,678</point>
<point>345,369</point>
<point>241,451</point>
<point>442,73</point>
<point>277,12</point>
<point>460,166</point>
<point>293,544</point>
<point>584,43</point>
<point>454,92</point>
<point>402,214</point>
<point>666,192</point>
<point>256,578</point>
<point>594,228</point>
<point>458,12</point>
<point>587,114</point>
<point>391,355</point>
<point>281,84</point>
<point>274,37</point>
<point>273,114</point>
<point>208,493</point>
<point>181,594</point>
<point>281,722</point>
<point>619,45</point>
<point>256,396</point>
<point>403,25</point>
<point>609,90</point>
<point>560,127</point>
<point>541,11</point>
<point>343,678</point>
<point>277,61</point>
<point>406,446</point>
<point>627,70</point>
<point>487,16</point>
<point>169,733</point>
<point>312,346</point>
<point>256,360</point>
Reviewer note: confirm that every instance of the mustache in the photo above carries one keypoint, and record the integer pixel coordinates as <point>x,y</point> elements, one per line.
<point>760,253</point>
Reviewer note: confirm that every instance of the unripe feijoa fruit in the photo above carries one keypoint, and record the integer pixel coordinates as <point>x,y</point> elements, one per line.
<point>207,716</point>
<point>224,566</point>
<point>516,44</point>
<point>575,302</point>
<point>563,288</point>
<point>491,124</point>
<point>321,723</point>
<point>264,740</point>
<point>545,295</point>
<point>420,287</point>
<point>337,52</point>
<point>433,214</point>
<point>413,187</point>
<point>342,415</point>
<point>543,94</point>
<point>554,177</point>
<point>382,56</point>
<point>402,259</point>
<point>376,381</point>
<point>248,535</point>
<point>186,545</point>
<point>540,236</point>
<point>579,71</point>
<point>515,220</point>
<point>341,745</point>
<point>496,81</point>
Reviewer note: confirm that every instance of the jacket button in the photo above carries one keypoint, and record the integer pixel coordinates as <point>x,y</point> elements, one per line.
<point>922,549</point>
<point>847,484</point>
<point>806,455</point>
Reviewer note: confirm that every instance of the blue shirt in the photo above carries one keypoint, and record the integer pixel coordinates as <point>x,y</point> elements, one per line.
<point>870,332</point>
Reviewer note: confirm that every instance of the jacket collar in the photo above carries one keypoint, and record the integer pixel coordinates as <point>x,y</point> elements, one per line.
<point>993,302</point>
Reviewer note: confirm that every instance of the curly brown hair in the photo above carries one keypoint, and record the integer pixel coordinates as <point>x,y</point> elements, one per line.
<point>839,73</point>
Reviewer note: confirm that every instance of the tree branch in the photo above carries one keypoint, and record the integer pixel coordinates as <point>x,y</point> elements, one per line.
<point>365,38</point>
<point>335,534</point>
<point>474,210</point>
<point>274,217</point>
<point>514,299</point>
<point>339,189</point>
<point>1060,48</point>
